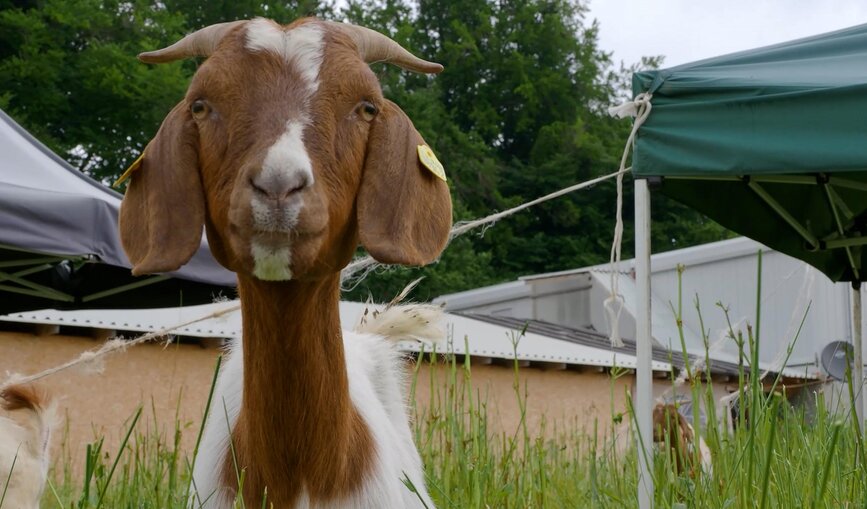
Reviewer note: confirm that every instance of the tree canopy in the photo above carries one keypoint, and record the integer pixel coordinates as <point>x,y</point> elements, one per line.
<point>519,112</point>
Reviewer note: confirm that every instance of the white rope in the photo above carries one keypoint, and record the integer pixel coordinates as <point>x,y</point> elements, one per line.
<point>639,108</point>
<point>89,357</point>
<point>367,263</point>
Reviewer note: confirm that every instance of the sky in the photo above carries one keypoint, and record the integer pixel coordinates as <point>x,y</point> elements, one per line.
<point>688,30</point>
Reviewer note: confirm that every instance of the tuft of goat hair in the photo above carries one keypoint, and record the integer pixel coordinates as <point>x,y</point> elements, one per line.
<point>24,444</point>
<point>403,321</point>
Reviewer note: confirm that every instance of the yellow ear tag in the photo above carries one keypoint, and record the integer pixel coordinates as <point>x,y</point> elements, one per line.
<point>133,167</point>
<point>430,161</point>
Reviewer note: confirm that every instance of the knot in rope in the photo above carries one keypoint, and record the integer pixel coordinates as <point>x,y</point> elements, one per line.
<point>640,109</point>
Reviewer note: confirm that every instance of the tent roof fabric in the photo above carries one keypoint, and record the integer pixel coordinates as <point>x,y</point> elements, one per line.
<point>770,143</point>
<point>59,245</point>
<point>50,207</point>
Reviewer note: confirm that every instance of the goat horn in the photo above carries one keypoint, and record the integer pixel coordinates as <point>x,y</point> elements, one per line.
<point>375,47</point>
<point>200,43</point>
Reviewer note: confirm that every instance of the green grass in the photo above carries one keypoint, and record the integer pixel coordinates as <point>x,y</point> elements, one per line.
<point>775,459</point>
<point>777,456</point>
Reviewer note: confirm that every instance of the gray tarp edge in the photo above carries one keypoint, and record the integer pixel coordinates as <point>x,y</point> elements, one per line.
<point>51,221</point>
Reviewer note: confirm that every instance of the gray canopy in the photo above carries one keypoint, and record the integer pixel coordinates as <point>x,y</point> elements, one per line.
<point>59,244</point>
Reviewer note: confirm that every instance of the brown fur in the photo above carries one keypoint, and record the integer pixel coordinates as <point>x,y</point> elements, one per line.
<point>298,430</point>
<point>325,447</point>
<point>23,397</point>
<point>671,428</point>
<point>398,197</point>
<point>164,241</point>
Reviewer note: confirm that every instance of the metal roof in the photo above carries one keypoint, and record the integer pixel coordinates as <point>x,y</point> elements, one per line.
<point>464,335</point>
<point>593,339</point>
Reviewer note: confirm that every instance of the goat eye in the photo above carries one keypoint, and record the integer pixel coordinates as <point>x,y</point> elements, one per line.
<point>367,111</point>
<point>199,109</point>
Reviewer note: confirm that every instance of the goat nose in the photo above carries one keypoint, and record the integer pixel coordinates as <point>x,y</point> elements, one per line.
<point>279,185</point>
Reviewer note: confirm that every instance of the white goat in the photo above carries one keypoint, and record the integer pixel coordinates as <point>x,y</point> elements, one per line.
<point>24,456</point>
<point>286,151</point>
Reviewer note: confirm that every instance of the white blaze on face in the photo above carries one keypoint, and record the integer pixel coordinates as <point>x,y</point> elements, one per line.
<point>287,163</point>
<point>286,166</point>
<point>300,47</point>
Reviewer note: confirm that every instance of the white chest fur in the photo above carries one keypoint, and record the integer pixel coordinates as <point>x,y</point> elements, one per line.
<point>375,384</point>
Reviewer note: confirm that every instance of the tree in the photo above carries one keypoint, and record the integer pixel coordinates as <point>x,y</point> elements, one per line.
<point>518,113</point>
<point>68,72</point>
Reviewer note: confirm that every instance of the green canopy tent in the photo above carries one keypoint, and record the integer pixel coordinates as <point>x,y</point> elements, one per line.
<point>772,144</point>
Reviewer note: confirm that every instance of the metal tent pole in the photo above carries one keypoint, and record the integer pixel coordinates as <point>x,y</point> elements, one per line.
<point>643,377</point>
<point>858,372</point>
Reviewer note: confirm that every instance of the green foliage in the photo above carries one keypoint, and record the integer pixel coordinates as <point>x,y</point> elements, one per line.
<point>518,113</point>
<point>68,73</point>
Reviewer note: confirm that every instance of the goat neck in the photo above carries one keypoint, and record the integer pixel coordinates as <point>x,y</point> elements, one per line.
<point>298,431</point>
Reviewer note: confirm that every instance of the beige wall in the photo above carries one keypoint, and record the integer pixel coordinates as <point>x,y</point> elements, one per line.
<point>565,399</point>
<point>101,404</point>
<point>156,377</point>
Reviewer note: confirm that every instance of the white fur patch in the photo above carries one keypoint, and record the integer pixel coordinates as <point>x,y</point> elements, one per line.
<point>408,321</point>
<point>271,264</point>
<point>287,158</point>
<point>301,46</point>
<point>376,383</point>
<point>208,492</point>
<point>24,456</point>
<point>286,166</point>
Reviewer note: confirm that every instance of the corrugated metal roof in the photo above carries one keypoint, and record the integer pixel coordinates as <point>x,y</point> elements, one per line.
<point>465,336</point>
<point>599,341</point>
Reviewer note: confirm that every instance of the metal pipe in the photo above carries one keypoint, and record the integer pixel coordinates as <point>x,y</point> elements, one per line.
<point>848,242</point>
<point>783,213</point>
<point>124,288</point>
<point>644,374</point>
<point>840,229</point>
<point>858,372</point>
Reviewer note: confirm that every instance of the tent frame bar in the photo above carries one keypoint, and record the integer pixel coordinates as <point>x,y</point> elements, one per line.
<point>784,214</point>
<point>31,288</point>
<point>845,243</point>
<point>777,179</point>
<point>841,230</point>
<point>120,289</point>
<point>30,261</point>
<point>42,293</point>
<point>46,262</point>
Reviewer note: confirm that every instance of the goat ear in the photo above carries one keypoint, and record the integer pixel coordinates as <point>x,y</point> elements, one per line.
<point>163,210</point>
<point>404,210</point>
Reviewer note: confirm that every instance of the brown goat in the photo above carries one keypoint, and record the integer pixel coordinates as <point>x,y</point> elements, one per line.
<point>672,429</point>
<point>285,150</point>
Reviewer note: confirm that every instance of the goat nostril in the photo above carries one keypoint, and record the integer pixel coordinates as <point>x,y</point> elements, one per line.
<point>279,187</point>
<point>258,189</point>
<point>293,190</point>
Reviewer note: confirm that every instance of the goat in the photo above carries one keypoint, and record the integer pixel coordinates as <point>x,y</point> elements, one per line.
<point>286,151</point>
<point>669,428</point>
<point>672,429</point>
<point>24,455</point>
